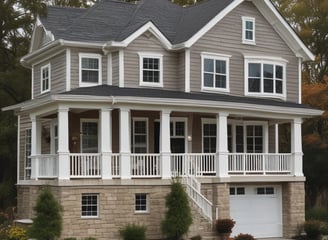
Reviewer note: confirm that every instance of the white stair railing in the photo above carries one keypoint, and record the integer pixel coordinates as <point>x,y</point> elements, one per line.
<point>193,190</point>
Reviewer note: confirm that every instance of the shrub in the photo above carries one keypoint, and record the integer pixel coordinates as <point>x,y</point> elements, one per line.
<point>312,229</point>
<point>318,213</point>
<point>242,236</point>
<point>324,228</point>
<point>47,224</point>
<point>224,225</point>
<point>70,238</point>
<point>198,237</point>
<point>178,216</point>
<point>90,238</point>
<point>133,232</point>
<point>16,233</point>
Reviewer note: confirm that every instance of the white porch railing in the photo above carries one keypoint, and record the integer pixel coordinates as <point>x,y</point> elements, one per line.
<point>145,165</point>
<point>115,161</point>
<point>193,190</point>
<point>85,165</point>
<point>195,164</point>
<point>259,163</point>
<point>48,167</point>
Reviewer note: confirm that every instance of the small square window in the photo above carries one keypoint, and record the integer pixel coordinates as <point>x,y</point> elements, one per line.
<point>232,191</point>
<point>141,202</point>
<point>89,205</point>
<point>240,191</point>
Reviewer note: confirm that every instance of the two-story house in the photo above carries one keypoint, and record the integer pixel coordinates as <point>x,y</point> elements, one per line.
<point>126,96</point>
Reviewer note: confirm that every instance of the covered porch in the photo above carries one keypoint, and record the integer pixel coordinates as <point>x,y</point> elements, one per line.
<point>76,142</point>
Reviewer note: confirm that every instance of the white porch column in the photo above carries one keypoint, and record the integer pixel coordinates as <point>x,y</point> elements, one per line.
<point>106,142</point>
<point>63,147</point>
<point>222,145</point>
<point>296,147</point>
<point>36,134</point>
<point>125,143</point>
<point>165,144</point>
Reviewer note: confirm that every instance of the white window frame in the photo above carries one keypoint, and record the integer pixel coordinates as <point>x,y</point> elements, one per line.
<point>154,56</point>
<point>207,121</point>
<point>90,194</point>
<point>173,121</point>
<point>271,61</point>
<point>139,119</point>
<point>28,158</point>
<point>147,203</point>
<point>245,40</point>
<point>219,57</point>
<point>43,80</point>
<point>92,120</point>
<point>94,56</point>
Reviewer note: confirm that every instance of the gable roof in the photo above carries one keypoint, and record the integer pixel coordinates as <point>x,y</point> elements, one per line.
<point>111,22</point>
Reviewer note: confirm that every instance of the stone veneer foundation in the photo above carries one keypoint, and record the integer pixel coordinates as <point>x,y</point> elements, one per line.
<point>116,208</point>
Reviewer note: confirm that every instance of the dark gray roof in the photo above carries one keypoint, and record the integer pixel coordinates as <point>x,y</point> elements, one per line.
<point>114,20</point>
<point>106,90</point>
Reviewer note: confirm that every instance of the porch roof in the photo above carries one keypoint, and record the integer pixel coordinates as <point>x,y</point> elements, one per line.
<point>115,91</point>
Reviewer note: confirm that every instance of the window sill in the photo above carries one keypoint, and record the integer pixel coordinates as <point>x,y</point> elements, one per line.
<point>265,95</point>
<point>215,90</point>
<point>141,212</point>
<point>248,42</point>
<point>89,217</point>
<point>157,85</point>
<point>81,84</point>
<point>45,91</point>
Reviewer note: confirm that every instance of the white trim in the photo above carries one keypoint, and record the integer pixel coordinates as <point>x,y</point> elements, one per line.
<point>147,204</point>
<point>266,60</point>
<point>98,207</point>
<point>110,69</point>
<point>18,147</point>
<point>173,120</point>
<point>32,82</point>
<point>244,39</point>
<point>187,70</point>
<point>300,80</point>
<point>94,56</point>
<point>220,57</point>
<point>42,68</point>
<point>149,26</point>
<point>68,69</point>
<point>53,125</point>
<point>139,119</point>
<point>121,68</point>
<point>158,56</point>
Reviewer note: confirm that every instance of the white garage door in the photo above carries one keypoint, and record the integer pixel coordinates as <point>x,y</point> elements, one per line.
<point>257,210</point>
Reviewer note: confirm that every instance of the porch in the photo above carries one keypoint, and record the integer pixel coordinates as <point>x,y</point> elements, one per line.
<point>149,165</point>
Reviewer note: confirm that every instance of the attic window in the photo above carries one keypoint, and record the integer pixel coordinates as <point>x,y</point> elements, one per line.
<point>151,70</point>
<point>90,69</point>
<point>248,30</point>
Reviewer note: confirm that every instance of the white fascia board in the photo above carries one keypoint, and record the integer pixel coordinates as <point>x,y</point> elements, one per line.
<point>210,25</point>
<point>269,11</point>
<point>149,26</point>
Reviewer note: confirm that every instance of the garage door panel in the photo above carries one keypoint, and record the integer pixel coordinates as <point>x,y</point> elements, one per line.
<point>259,215</point>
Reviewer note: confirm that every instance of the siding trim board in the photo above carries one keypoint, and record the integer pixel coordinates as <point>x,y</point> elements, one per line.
<point>68,69</point>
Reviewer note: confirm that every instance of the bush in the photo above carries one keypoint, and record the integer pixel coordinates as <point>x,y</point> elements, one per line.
<point>16,233</point>
<point>178,216</point>
<point>47,224</point>
<point>242,236</point>
<point>312,229</point>
<point>70,238</point>
<point>198,237</point>
<point>318,213</point>
<point>90,238</point>
<point>133,232</point>
<point>324,228</point>
<point>224,225</point>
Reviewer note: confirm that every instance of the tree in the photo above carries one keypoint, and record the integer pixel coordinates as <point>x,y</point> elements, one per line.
<point>178,217</point>
<point>47,224</point>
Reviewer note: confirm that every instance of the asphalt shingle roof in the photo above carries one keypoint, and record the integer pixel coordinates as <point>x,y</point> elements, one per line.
<point>114,20</point>
<point>106,90</point>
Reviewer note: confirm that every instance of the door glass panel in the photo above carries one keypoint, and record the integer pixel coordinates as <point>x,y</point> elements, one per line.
<point>89,137</point>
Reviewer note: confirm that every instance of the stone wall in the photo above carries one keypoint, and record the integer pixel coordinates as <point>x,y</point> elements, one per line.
<point>293,205</point>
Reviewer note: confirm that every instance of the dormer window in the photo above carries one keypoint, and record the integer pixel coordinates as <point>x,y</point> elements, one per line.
<point>45,78</point>
<point>151,70</point>
<point>90,69</point>
<point>215,72</point>
<point>248,30</point>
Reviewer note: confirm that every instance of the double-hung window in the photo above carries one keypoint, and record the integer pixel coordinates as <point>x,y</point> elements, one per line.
<point>90,205</point>
<point>45,78</point>
<point>265,78</point>
<point>215,72</point>
<point>151,69</point>
<point>248,30</point>
<point>139,141</point>
<point>141,203</point>
<point>90,69</point>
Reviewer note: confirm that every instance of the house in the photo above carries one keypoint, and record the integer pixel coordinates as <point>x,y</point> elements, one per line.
<point>126,96</point>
